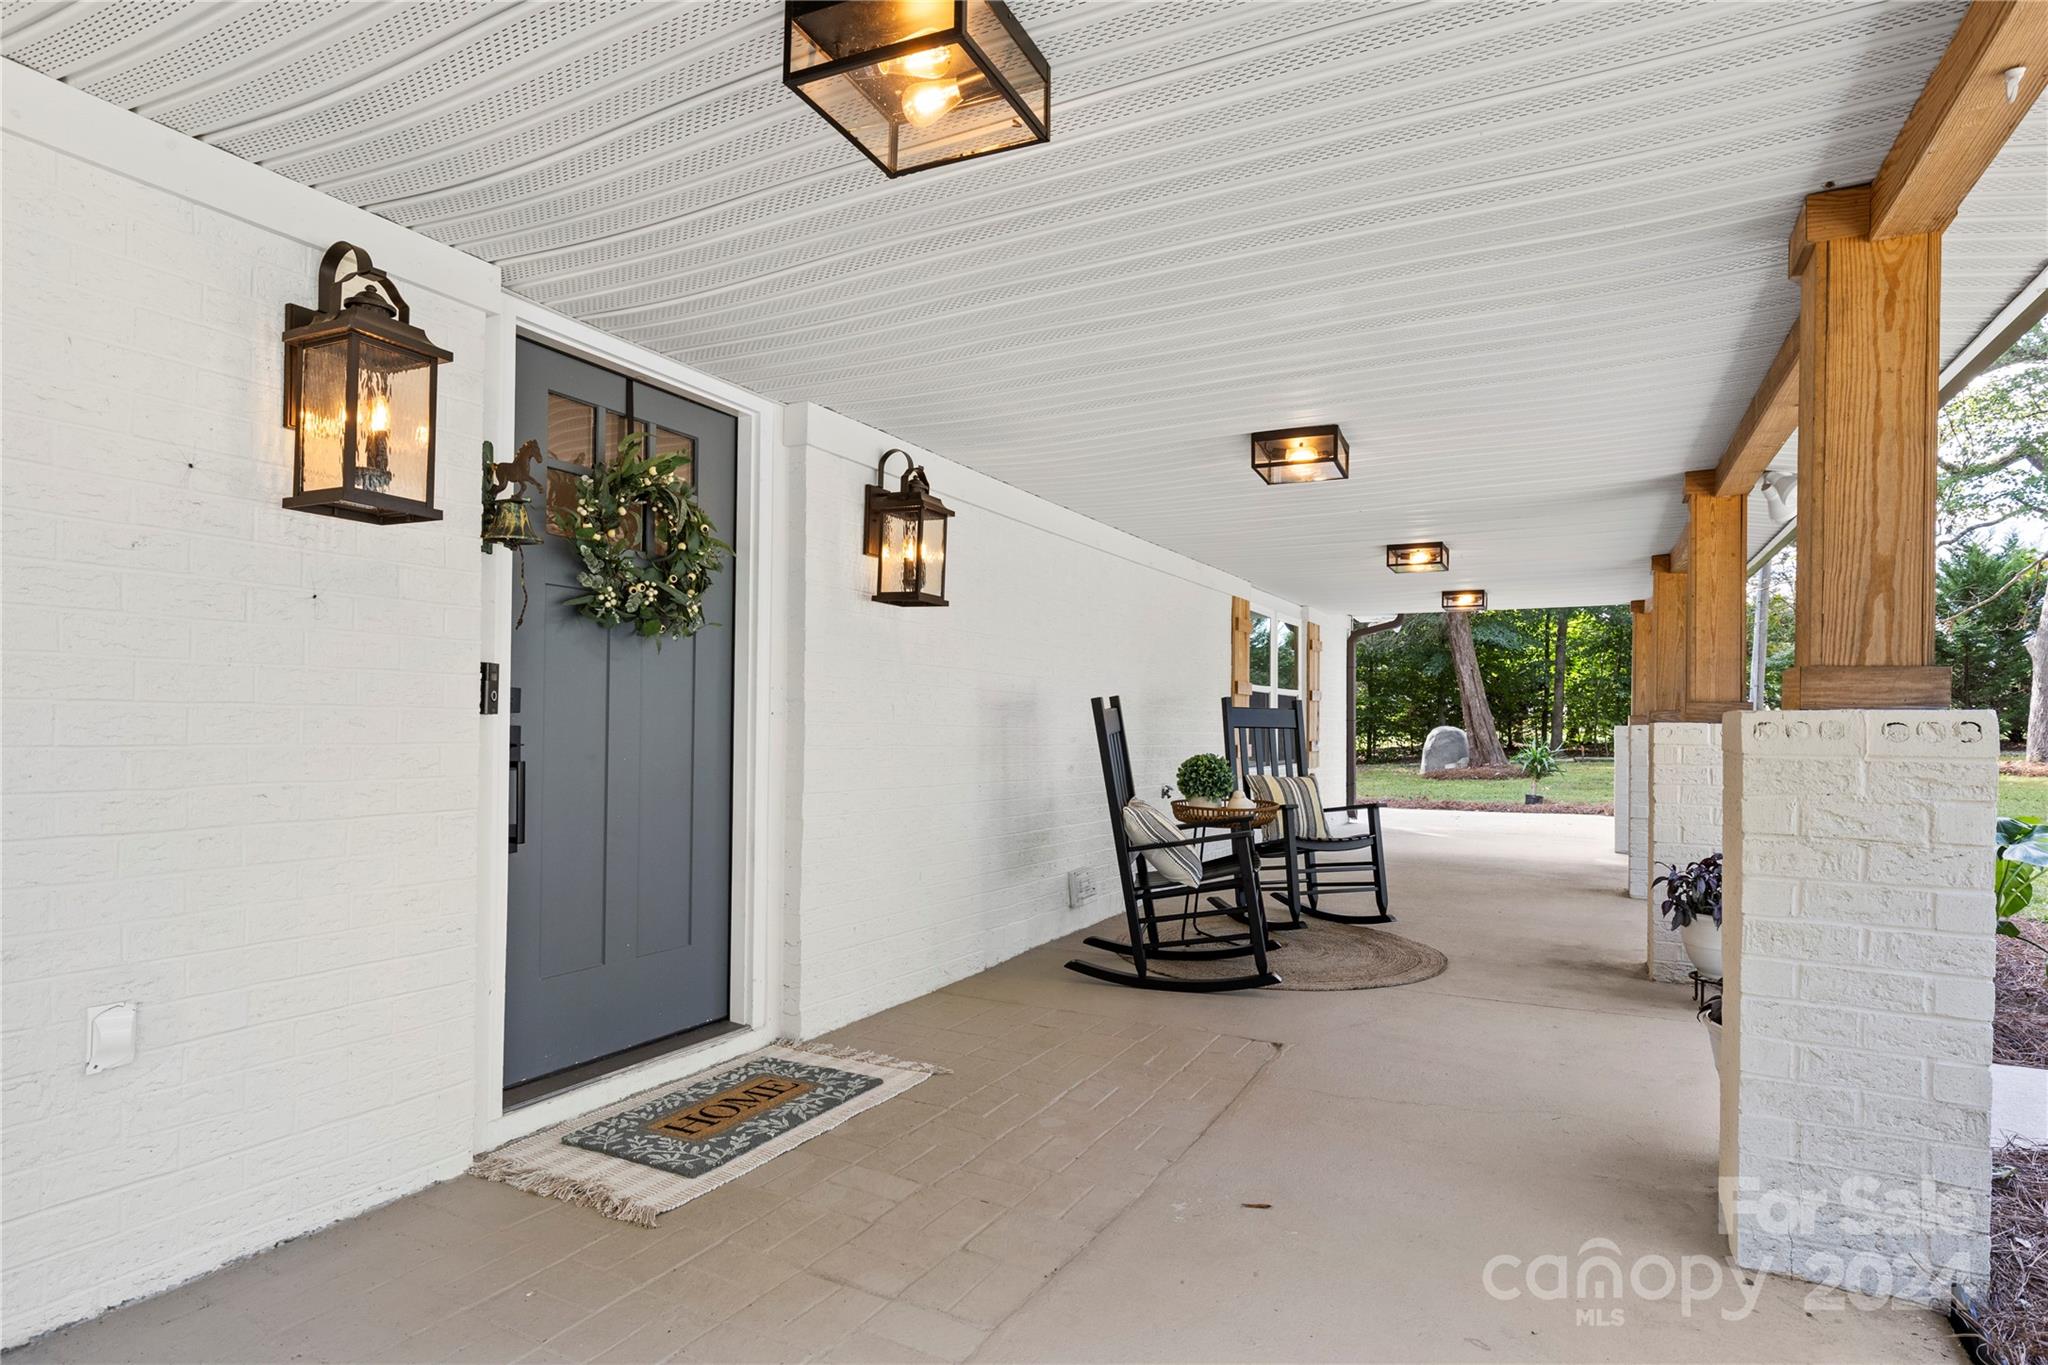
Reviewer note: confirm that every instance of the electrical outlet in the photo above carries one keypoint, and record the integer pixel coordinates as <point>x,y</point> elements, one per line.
<point>1080,887</point>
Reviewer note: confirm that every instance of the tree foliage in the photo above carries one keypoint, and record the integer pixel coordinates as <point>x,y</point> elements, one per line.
<point>1986,602</point>
<point>1406,686</point>
<point>1993,464</point>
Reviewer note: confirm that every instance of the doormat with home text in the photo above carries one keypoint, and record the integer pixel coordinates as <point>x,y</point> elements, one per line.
<point>664,1147</point>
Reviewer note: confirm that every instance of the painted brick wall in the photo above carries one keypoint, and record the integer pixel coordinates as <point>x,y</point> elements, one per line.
<point>1857,1035</point>
<point>1638,759</point>
<point>950,771</point>
<point>1684,825</point>
<point>1621,794</point>
<point>240,761</point>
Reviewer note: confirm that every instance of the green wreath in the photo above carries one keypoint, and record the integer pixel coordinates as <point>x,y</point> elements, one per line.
<point>659,594</point>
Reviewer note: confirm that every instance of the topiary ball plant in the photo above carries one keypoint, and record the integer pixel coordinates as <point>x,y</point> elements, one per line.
<point>1205,777</point>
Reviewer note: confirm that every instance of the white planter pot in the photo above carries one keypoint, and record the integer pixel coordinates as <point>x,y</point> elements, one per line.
<point>1703,945</point>
<point>1714,1039</point>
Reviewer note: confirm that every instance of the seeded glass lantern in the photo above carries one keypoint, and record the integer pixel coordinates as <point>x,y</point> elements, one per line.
<point>1429,556</point>
<point>1465,599</point>
<point>906,535</point>
<point>919,83</point>
<point>1301,455</point>
<point>359,388</point>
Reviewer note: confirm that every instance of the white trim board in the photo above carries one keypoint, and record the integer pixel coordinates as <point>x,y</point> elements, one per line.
<point>758,723</point>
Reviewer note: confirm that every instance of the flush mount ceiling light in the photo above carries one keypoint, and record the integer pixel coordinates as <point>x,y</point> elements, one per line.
<point>1465,599</point>
<point>1428,556</point>
<point>919,83</point>
<point>1301,455</point>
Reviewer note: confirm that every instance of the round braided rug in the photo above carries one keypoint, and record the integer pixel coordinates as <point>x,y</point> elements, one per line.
<point>1329,957</point>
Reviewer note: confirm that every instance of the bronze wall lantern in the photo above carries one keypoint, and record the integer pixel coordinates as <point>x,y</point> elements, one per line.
<point>919,83</point>
<point>359,389</point>
<point>1464,599</point>
<point>1429,556</point>
<point>1301,455</point>
<point>905,533</point>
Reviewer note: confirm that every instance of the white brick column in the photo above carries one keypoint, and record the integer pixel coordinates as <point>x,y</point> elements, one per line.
<point>1685,823</point>
<point>1637,756</point>
<point>1856,1047</point>
<point>1621,789</point>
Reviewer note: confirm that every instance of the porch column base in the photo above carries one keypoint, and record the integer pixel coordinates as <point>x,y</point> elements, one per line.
<point>1827,687</point>
<point>1621,789</point>
<point>1710,712</point>
<point>1856,1015</point>
<point>1685,824</point>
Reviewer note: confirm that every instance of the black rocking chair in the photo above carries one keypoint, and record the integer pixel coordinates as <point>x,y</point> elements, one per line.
<point>1236,873</point>
<point>1260,739</point>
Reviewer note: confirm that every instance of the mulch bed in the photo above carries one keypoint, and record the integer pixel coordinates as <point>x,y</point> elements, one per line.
<point>2019,767</point>
<point>1547,808</point>
<point>2019,1032</point>
<point>2015,1317</point>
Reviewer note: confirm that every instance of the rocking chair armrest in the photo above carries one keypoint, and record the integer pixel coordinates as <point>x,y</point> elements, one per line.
<point>1355,807</point>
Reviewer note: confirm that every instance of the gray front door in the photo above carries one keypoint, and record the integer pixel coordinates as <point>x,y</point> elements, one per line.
<point>620,919</point>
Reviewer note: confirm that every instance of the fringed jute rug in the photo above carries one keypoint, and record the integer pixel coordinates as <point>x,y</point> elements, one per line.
<point>666,1146</point>
<point>1330,957</point>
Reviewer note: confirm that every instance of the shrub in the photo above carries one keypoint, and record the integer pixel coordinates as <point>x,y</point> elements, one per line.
<point>1538,761</point>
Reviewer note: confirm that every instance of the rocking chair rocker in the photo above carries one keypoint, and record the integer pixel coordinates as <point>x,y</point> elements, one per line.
<point>1268,741</point>
<point>1143,889</point>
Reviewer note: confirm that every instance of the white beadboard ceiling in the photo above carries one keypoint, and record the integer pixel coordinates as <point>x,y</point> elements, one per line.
<point>1529,255</point>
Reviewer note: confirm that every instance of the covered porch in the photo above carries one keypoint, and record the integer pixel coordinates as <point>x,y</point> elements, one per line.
<point>816,505</point>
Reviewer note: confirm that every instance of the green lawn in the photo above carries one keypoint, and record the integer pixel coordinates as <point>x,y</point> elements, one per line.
<point>2024,796</point>
<point>1584,781</point>
<point>1591,781</point>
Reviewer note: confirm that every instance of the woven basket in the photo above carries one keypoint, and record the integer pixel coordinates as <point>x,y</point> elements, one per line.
<point>1257,815</point>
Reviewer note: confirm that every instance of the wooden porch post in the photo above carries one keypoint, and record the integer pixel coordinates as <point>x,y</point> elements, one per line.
<point>1641,653</point>
<point>1869,336</point>
<point>1667,639</point>
<point>1715,574</point>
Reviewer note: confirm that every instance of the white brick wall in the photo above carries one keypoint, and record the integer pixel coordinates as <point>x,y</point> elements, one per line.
<point>1637,757</point>
<point>1684,824</point>
<point>950,771</point>
<point>1621,796</point>
<point>1857,1039</point>
<point>240,760</point>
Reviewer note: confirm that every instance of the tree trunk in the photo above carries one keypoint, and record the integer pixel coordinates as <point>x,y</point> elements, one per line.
<point>1479,728</point>
<point>2037,709</point>
<point>1564,621</point>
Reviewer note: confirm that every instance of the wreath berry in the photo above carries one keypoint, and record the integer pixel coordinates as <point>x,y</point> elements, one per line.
<point>660,594</point>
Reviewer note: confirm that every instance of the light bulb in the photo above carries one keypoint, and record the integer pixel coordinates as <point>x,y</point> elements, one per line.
<point>926,104</point>
<point>1300,452</point>
<point>1418,556</point>
<point>380,415</point>
<point>933,61</point>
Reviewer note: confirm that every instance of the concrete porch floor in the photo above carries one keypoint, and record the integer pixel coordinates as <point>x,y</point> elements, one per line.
<point>1079,1187</point>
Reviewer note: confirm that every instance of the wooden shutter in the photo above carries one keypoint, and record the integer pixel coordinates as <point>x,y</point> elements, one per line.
<point>1240,651</point>
<point>1312,690</point>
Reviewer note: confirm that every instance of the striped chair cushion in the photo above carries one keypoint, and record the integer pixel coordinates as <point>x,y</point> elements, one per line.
<point>1147,824</point>
<point>1302,799</point>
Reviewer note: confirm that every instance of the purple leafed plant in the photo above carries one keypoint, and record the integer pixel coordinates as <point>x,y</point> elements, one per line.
<point>1692,892</point>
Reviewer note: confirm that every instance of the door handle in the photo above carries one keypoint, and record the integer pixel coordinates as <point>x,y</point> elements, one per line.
<point>518,831</point>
